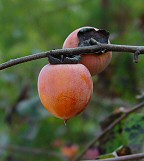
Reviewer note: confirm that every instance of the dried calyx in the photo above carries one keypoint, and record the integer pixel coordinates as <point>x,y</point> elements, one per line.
<point>89,36</point>
<point>64,59</point>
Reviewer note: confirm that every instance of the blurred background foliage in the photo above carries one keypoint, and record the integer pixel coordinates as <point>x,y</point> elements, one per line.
<point>28,27</point>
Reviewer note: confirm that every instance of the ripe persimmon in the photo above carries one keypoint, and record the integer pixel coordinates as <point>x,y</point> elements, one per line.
<point>65,89</point>
<point>96,63</point>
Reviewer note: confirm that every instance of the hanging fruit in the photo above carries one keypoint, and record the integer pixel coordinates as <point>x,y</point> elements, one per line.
<point>87,36</point>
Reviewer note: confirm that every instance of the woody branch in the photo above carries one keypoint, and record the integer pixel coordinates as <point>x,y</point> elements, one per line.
<point>136,50</point>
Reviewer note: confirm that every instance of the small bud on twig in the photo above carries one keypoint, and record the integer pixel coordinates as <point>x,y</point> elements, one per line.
<point>136,54</point>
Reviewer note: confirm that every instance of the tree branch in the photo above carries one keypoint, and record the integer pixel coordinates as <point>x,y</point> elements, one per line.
<point>124,158</point>
<point>75,51</point>
<point>108,129</point>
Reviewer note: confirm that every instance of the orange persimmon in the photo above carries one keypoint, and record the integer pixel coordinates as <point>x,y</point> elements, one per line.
<point>65,90</point>
<point>96,63</point>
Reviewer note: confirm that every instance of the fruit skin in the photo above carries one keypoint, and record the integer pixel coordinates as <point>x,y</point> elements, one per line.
<point>65,90</point>
<point>96,63</point>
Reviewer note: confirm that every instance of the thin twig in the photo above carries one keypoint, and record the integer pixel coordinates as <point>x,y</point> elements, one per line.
<point>34,151</point>
<point>108,129</point>
<point>74,51</point>
<point>124,158</point>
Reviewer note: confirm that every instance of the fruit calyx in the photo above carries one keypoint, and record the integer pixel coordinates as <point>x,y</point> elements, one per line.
<point>89,36</point>
<point>64,59</point>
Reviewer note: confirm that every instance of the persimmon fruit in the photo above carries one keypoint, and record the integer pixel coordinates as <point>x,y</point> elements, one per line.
<point>96,63</point>
<point>65,89</point>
